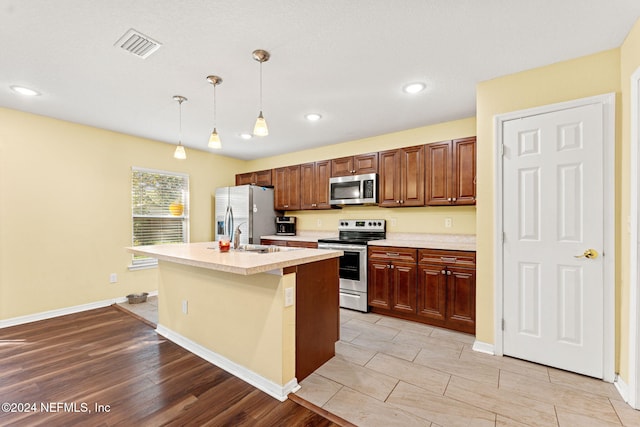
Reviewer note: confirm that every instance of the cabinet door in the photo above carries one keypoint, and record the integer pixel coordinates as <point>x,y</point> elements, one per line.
<point>432,292</point>
<point>461,299</point>
<point>365,163</point>
<point>438,182</point>
<point>321,182</point>
<point>412,165</point>
<point>464,176</point>
<point>294,188</point>
<point>263,178</point>
<point>281,188</point>
<point>299,244</point>
<point>389,179</point>
<point>379,285</point>
<point>404,287</point>
<point>342,166</point>
<point>307,187</point>
<point>287,188</point>
<point>245,178</point>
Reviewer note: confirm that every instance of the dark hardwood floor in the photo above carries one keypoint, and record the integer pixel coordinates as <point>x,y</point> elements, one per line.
<point>104,367</point>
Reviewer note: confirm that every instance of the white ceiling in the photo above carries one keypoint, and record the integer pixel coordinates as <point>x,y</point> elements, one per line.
<point>346,60</point>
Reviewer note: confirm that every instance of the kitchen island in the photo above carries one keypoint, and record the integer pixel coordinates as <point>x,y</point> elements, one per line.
<point>268,318</point>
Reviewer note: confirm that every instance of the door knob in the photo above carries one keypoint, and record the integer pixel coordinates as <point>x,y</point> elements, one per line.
<point>589,253</point>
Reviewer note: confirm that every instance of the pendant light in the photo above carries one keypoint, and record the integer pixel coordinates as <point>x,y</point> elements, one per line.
<point>214,139</point>
<point>180,153</point>
<point>260,129</point>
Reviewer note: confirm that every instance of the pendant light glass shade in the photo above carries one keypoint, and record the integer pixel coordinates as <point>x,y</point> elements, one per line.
<point>180,154</point>
<point>214,138</point>
<point>260,129</point>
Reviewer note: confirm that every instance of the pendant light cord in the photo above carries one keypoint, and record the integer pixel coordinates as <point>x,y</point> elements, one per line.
<point>261,86</point>
<point>180,124</point>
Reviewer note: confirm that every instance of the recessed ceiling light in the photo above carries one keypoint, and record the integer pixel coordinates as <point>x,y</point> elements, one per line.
<point>313,117</point>
<point>24,90</point>
<point>245,135</point>
<point>414,87</point>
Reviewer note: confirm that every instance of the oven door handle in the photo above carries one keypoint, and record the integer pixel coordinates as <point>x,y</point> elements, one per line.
<point>340,247</point>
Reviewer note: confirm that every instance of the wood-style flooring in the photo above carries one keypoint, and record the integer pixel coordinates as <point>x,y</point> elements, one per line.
<point>104,367</point>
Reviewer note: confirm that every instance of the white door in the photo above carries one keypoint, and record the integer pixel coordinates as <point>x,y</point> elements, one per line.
<point>553,184</point>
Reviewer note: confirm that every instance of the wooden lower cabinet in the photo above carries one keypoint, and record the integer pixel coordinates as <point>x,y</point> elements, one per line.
<point>436,287</point>
<point>392,278</point>
<point>447,289</point>
<point>290,243</point>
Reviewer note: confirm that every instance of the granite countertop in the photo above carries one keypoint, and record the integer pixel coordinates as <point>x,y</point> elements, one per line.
<point>304,236</point>
<point>207,255</point>
<point>455,242</point>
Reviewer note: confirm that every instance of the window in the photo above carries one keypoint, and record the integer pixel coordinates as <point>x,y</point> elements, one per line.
<point>160,209</point>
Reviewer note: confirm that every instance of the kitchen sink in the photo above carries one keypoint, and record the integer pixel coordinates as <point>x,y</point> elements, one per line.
<point>265,249</point>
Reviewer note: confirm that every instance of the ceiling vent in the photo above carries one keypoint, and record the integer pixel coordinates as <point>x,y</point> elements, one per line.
<point>137,44</point>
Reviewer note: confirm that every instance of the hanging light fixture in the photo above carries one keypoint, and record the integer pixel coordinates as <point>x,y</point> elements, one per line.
<point>260,129</point>
<point>214,139</point>
<point>180,153</point>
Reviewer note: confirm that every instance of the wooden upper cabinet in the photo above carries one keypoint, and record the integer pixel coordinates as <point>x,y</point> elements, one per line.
<point>451,172</point>
<point>314,185</point>
<point>401,180</point>
<point>464,152</point>
<point>287,188</point>
<point>262,178</point>
<point>355,165</point>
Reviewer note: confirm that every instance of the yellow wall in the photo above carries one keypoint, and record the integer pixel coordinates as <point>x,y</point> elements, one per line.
<point>582,77</point>
<point>418,220</point>
<point>242,318</point>
<point>629,62</point>
<point>65,210</point>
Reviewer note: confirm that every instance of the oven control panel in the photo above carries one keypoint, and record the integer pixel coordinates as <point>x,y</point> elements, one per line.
<point>361,225</point>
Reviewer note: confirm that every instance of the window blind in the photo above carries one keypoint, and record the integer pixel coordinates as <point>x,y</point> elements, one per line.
<point>160,208</point>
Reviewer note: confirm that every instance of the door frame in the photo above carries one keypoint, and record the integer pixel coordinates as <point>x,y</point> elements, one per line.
<point>634,241</point>
<point>608,103</point>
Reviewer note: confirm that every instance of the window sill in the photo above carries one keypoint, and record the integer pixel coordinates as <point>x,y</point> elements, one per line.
<point>144,266</point>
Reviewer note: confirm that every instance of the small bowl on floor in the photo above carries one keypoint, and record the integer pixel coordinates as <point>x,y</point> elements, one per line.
<point>137,298</point>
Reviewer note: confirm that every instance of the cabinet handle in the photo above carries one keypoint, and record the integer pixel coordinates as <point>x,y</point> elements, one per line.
<point>454,199</point>
<point>393,253</point>
<point>448,259</point>
<point>401,201</point>
<point>448,273</point>
<point>449,199</point>
<point>286,206</point>
<point>313,205</point>
<point>444,272</point>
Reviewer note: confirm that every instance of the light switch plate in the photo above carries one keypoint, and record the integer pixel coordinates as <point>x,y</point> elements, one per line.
<point>288,297</point>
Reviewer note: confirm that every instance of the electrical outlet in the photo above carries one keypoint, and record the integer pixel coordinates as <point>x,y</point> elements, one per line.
<point>394,222</point>
<point>185,306</point>
<point>448,222</point>
<point>288,297</point>
<point>113,278</point>
<point>319,223</point>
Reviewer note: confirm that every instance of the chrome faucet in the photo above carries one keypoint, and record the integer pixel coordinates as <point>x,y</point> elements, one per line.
<point>236,237</point>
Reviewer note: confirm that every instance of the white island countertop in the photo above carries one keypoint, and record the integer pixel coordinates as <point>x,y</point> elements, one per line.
<point>207,255</point>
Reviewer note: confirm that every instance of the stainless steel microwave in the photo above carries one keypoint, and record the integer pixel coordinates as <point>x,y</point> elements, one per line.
<point>354,189</point>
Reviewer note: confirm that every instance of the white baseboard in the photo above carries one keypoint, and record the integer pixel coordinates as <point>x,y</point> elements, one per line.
<point>483,347</point>
<point>14,321</point>
<point>59,312</point>
<point>272,389</point>
<point>622,387</point>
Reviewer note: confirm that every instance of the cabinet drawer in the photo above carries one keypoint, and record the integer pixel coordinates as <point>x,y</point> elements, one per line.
<point>438,256</point>
<point>390,253</point>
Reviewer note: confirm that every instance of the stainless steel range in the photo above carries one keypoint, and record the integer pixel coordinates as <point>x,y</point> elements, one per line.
<point>354,234</point>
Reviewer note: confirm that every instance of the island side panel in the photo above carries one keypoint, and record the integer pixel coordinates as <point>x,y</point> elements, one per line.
<point>240,317</point>
<point>317,314</point>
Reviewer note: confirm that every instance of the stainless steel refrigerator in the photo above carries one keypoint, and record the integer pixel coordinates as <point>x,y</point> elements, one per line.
<point>247,206</point>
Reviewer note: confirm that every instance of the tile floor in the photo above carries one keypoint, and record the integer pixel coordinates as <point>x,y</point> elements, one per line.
<point>147,310</point>
<point>388,372</point>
